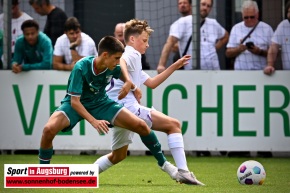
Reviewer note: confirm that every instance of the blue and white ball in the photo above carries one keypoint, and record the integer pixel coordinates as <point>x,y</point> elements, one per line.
<point>251,172</point>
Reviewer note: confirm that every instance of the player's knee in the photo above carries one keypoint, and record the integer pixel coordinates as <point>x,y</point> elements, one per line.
<point>175,125</point>
<point>143,128</point>
<point>48,132</point>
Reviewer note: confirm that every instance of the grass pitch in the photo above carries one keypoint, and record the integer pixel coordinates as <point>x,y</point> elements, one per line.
<point>138,174</point>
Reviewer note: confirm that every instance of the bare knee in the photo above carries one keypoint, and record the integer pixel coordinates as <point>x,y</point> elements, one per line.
<point>48,132</point>
<point>175,126</point>
<point>143,128</point>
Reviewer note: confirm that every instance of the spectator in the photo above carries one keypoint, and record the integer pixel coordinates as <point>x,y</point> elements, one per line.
<point>249,40</point>
<point>56,18</point>
<point>184,8</point>
<point>280,39</point>
<point>72,46</point>
<point>213,37</point>
<point>33,49</point>
<point>18,17</point>
<point>119,34</point>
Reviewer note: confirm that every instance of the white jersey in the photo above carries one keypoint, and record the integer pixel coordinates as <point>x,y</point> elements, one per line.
<point>137,76</point>
<point>282,37</point>
<point>210,32</point>
<point>15,27</point>
<point>261,37</point>
<point>86,48</point>
<point>182,30</point>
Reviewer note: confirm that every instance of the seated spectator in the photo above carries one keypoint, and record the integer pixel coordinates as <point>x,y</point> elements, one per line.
<point>33,49</point>
<point>72,46</point>
<point>249,40</point>
<point>18,17</point>
<point>280,40</point>
<point>56,18</point>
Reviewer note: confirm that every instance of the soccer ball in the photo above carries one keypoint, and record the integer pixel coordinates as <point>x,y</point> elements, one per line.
<point>251,172</point>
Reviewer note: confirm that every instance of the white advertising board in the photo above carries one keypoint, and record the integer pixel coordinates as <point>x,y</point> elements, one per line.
<point>218,110</point>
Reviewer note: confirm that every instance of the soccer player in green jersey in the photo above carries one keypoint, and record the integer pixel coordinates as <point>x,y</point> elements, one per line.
<point>86,98</point>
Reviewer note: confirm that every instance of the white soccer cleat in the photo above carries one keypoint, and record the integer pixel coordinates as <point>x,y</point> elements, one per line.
<point>170,169</point>
<point>187,177</point>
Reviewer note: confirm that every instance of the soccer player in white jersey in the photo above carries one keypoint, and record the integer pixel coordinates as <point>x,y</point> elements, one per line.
<point>136,37</point>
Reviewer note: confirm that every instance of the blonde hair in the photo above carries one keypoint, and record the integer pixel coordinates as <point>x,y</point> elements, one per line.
<point>136,27</point>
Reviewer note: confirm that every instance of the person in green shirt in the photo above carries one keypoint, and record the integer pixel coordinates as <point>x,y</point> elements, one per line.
<point>33,49</point>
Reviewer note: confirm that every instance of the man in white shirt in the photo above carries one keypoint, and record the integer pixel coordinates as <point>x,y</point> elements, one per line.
<point>213,37</point>
<point>72,46</point>
<point>18,17</point>
<point>252,53</point>
<point>281,38</point>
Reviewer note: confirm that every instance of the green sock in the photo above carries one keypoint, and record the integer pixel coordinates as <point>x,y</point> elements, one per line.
<point>152,143</point>
<point>45,155</point>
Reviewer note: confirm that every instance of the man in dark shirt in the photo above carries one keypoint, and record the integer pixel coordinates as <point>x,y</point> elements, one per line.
<point>56,18</point>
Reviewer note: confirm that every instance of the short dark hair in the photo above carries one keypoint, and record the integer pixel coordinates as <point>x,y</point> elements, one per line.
<point>39,2</point>
<point>29,23</point>
<point>71,23</point>
<point>111,45</point>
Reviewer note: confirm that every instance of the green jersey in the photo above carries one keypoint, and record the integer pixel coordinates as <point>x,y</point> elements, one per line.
<point>36,57</point>
<point>89,86</point>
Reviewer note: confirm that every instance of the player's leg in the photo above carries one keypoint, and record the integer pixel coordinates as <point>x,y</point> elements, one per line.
<point>151,141</point>
<point>126,119</point>
<point>121,138</point>
<point>171,126</point>
<point>111,159</point>
<point>56,123</point>
<point>63,119</point>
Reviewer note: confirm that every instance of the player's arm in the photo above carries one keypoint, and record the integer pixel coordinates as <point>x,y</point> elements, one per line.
<point>59,65</point>
<point>221,42</point>
<point>170,42</point>
<point>158,79</point>
<point>100,125</point>
<point>128,85</point>
<point>271,58</point>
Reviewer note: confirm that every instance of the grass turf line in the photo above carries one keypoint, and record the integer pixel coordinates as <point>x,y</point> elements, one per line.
<point>138,174</point>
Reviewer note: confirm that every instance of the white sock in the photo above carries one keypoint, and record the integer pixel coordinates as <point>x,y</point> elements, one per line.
<point>176,146</point>
<point>104,163</point>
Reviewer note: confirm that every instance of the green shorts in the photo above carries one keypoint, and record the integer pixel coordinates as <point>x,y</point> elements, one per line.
<point>105,110</point>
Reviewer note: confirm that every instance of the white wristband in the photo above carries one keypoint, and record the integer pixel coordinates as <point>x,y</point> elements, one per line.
<point>135,88</point>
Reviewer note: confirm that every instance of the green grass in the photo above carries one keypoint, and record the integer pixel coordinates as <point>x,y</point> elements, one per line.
<point>139,174</point>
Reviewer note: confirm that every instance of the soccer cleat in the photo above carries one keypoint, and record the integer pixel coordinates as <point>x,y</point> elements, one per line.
<point>187,177</point>
<point>170,169</point>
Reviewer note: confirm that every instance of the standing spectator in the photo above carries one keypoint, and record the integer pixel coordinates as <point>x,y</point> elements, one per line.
<point>213,37</point>
<point>56,18</point>
<point>33,49</point>
<point>72,46</point>
<point>184,8</point>
<point>119,34</point>
<point>249,48</point>
<point>280,39</point>
<point>18,17</point>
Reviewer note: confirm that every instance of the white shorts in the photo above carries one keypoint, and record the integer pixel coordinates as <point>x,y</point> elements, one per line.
<point>122,137</point>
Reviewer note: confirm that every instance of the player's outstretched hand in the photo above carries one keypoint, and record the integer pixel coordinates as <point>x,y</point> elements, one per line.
<point>182,61</point>
<point>101,126</point>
